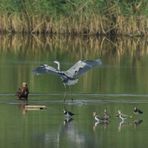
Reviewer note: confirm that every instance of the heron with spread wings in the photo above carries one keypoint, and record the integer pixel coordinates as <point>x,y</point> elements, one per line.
<point>70,76</point>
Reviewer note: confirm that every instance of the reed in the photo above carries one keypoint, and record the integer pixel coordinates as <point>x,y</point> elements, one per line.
<point>75,18</point>
<point>131,26</point>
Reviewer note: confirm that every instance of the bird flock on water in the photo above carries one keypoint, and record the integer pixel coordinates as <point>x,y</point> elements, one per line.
<point>106,118</point>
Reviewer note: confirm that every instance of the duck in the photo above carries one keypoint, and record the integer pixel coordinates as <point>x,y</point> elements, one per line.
<point>137,111</point>
<point>106,115</point>
<point>68,114</point>
<point>122,116</point>
<point>23,92</point>
<point>99,119</point>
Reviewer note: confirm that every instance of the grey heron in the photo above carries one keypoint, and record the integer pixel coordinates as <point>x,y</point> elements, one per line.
<point>70,76</point>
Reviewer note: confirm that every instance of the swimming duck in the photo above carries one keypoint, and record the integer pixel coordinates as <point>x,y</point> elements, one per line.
<point>137,111</point>
<point>122,116</point>
<point>106,115</point>
<point>68,114</point>
<point>99,119</point>
<point>23,92</point>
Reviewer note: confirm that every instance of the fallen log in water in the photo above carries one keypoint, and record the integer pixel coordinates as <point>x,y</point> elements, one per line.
<point>35,107</point>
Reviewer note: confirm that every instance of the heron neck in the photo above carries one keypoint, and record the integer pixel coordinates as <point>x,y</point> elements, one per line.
<point>58,64</point>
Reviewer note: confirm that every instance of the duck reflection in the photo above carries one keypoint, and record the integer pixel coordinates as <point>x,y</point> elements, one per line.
<point>137,122</point>
<point>104,124</point>
<point>122,124</point>
<point>22,106</point>
<point>67,120</point>
<point>69,131</point>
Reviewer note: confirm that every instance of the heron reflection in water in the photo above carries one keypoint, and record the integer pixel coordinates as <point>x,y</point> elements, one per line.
<point>70,76</point>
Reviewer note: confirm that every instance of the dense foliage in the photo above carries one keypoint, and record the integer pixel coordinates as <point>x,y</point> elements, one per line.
<point>74,7</point>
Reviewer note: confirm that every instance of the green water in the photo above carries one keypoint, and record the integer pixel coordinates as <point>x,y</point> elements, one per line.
<point>120,83</point>
<point>47,129</point>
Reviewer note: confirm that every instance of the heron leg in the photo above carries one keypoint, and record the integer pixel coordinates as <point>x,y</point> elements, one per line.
<point>65,92</point>
<point>70,93</point>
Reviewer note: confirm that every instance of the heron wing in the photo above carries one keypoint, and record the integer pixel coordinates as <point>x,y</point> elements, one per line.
<point>81,67</point>
<point>43,69</point>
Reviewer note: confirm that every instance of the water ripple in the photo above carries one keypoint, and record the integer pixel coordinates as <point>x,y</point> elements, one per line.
<point>78,98</point>
<point>81,94</point>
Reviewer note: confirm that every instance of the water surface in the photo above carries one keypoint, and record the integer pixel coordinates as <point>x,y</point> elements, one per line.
<point>119,84</point>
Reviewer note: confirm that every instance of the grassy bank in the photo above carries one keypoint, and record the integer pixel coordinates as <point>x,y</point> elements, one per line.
<point>91,17</point>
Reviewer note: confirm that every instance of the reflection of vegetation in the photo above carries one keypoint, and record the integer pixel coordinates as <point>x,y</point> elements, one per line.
<point>74,17</point>
<point>81,47</point>
<point>20,54</point>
